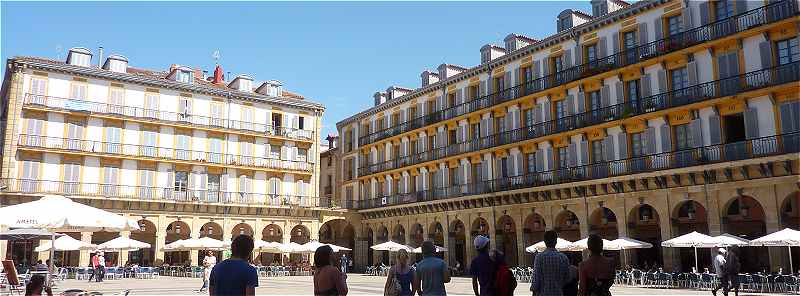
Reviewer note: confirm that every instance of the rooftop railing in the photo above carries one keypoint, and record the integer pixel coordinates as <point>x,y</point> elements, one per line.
<point>748,149</point>
<point>154,152</point>
<point>697,93</point>
<point>767,14</point>
<point>79,105</point>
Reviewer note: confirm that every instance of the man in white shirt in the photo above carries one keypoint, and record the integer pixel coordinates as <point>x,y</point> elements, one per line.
<point>101,262</point>
<point>719,268</point>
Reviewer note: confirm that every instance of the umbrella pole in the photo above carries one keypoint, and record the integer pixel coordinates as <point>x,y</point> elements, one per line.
<point>52,256</point>
<point>696,265</point>
<point>791,265</point>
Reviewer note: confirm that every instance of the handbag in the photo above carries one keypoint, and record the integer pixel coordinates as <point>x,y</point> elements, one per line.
<point>394,286</point>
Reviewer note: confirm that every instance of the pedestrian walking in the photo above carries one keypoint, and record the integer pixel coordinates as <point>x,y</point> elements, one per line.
<point>235,275</point>
<point>504,281</point>
<point>94,264</point>
<point>550,269</point>
<point>483,269</point>
<point>343,263</point>
<point>398,282</point>
<point>431,273</point>
<point>208,264</point>
<point>328,280</point>
<point>596,274</point>
<point>101,268</point>
<point>732,267</point>
<point>719,268</point>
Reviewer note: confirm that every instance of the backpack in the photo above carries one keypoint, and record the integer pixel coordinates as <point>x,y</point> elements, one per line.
<point>504,281</point>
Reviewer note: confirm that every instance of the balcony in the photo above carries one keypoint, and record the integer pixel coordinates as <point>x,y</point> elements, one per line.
<point>749,149</point>
<point>693,94</point>
<point>770,13</point>
<point>77,105</point>
<point>160,153</point>
<point>149,193</point>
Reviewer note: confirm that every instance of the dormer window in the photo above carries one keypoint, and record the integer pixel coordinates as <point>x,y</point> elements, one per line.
<point>242,83</point>
<point>79,56</point>
<point>116,63</point>
<point>271,88</point>
<point>184,76</point>
<point>245,85</point>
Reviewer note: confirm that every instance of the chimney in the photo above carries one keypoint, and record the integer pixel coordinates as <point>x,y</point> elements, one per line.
<point>428,78</point>
<point>380,98</point>
<point>100,57</point>
<point>599,7</point>
<point>219,78</point>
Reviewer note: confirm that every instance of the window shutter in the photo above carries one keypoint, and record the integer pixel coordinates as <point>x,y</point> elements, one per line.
<point>441,139</point>
<point>658,26</point>
<point>539,160</point>
<point>691,68</point>
<point>572,152</point>
<point>608,145</point>
<point>509,121</point>
<point>546,111</point>
<point>402,116</point>
<point>419,110</point>
<point>646,92</point>
<point>490,125</point>
<point>537,72</point>
<point>765,49</point>
<point>517,79</point>
<point>484,127</point>
<point>605,96</point>
<point>567,59</point>
<point>537,114</point>
<point>722,66</point>
<point>733,63</point>
<point>445,177</point>
<point>615,42</point>
<point>751,123</point>
<point>486,169</point>
<point>695,127</point>
<point>650,138</point>
<point>666,144</point>
<point>295,122</point>
<point>550,158</point>
<point>442,102</point>
<point>584,152</point>
<point>620,92</point>
<point>662,81</point>
<point>545,67</point>
<point>788,118</point>
<point>578,54</point>
<point>570,105</point>
<point>490,86</point>
<point>507,81</point>
<point>602,48</point>
<point>519,165</point>
<point>581,100</point>
<point>482,87</point>
<point>642,33</point>
<point>622,139</point>
<point>686,19</point>
<point>191,182</point>
<point>714,130</point>
<point>705,17</point>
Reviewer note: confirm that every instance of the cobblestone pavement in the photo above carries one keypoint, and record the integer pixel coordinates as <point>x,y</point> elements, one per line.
<point>302,285</point>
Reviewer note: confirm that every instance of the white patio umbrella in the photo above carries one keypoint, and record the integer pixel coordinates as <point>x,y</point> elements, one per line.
<point>726,240</point>
<point>693,239</point>
<point>271,247</point>
<point>436,249</point>
<point>784,238</point>
<point>391,247</point>
<point>583,244</point>
<point>293,247</point>
<point>65,243</point>
<point>58,213</point>
<point>313,245</point>
<point>173,246</point>
<point>561,245</point>
<point>122,244</point>
<point>203,243</point>
<point>337,249</point>
<point>627,243</point>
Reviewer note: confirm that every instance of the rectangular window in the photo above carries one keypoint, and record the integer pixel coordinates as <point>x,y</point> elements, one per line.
<point>473,92</point>
<point>531,159</point>
<point>527,74</point>
<point>183,76</point>
<point>35,126</point>
<point>110,175</point>
<point>674,25</point>
<point>476,131</point>
<point>637,144</point>
<point>529,117</point>
<point>788,51</point>
<point>151,105</point>
<point>680,78</point>
<point>724,9</point>
<point>183,147</point>
<point>78,91</point>
<point>500,83</point>
<point>214,186</point>
<point>561,109</point>
<point>181,181</point>
<point>504,167</point>
<point>38,86</point>
<point>594,101</point>
<point>558,64</point>
<point>301,122</point>
<point>302,154</point>
<point>184,109</point>
<point>562,157</point>
<point>116,100</point>
<point>149,142</point>
<point>30,170</point>
<point>629,39</point>
<point>682,134</point>
<point>113,139</point>
<point>598,151</point>
<point>72,172</point>
<point>147,183</point>
<point>591,52</point>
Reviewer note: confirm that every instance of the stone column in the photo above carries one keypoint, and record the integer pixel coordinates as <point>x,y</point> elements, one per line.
<point>667,254</point>
<point>712,211</point>
<point>520,231</point>
<point>194,253</point>
<point>122,256</point>
<point>83,260</point>
<point>468,239</point>
<point>161,240</point>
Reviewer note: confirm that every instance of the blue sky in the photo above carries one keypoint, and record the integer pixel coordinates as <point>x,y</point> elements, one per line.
<point>336,53</point>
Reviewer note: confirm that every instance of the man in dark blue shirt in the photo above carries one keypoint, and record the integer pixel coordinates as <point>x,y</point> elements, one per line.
<point>483,268</point>
<point>235,276</point>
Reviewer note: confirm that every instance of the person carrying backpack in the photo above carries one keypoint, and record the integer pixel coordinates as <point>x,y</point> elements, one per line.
<point>504,281</point>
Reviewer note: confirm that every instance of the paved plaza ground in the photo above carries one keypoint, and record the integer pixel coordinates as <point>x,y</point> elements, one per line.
<point>302,285</point>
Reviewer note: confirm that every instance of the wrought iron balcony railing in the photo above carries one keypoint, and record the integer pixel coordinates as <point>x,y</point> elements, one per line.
<point>201,157</point>
<point>151,193</point>
<point>748,149</point>
<point>167,116</point>
<point>767,14</point>
<point>697,93</point>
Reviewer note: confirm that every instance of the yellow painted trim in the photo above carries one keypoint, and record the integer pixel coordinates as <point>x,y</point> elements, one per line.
<point>679,117</point>
<point>731,107</point>
<point>596,134</point>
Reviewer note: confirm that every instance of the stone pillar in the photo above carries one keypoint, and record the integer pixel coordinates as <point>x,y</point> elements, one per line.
<point>194,253</point>
<point>83,260</point>
<point>520,231</point>
<point>450,244</point>
<point>468,245</point>
<point>161,240</point>
<point>667,254</point>
<point>122,256</point>
<point>713,211</point>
